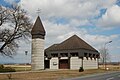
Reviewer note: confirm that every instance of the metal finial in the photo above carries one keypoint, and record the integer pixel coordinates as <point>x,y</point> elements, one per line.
<point>38,11</point>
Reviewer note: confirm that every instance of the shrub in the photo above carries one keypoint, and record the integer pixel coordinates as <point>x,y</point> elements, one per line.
<point>1,66</point>
<point>6,69</point>
<point>81,69</point>
<point>9,69</point>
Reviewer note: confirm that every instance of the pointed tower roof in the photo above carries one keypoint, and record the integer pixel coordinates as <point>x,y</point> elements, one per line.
<point>38,28</point>
<point>71,43</point>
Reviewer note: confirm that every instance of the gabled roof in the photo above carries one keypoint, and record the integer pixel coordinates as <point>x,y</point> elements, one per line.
<point>72,43</point>
<point>38,28</point>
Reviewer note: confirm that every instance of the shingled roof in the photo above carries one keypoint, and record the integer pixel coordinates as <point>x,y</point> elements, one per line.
<point>38,28</point>
<point>72,43</point>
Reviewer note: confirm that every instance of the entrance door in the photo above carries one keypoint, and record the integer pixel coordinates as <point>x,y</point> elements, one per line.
<point>64,64</point>
<point>47,64</point>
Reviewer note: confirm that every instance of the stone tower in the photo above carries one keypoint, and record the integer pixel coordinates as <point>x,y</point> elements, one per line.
<point>38,36</point>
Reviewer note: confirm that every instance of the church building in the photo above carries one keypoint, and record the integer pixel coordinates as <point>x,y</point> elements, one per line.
<point>72,53</point>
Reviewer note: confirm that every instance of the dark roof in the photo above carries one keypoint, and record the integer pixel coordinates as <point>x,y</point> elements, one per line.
<point>38,28</point>
<point>72,43</point>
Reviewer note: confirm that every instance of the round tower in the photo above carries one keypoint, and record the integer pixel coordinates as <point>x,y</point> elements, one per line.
<point>38,36</point>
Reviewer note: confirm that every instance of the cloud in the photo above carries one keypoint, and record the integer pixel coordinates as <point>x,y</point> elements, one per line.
<point>64,18</point>
<point>77,13</point>
<point>58,32</point>
<point>118,47</point>
<point>111,18</point>
<point>79,10</point>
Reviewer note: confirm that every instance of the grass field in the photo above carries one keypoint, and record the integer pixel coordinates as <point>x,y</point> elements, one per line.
<point>50,74</point>
<point>111,67</point>
<point>20,67</point>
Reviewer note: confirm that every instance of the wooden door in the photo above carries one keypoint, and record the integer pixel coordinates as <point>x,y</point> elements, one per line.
<point>64,64</point>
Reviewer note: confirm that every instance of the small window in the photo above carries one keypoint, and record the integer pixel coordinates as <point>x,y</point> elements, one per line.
<point>64,54</point>
<point>74,54</point>
<point>97,56</point>
<point>46,55</point>
<point>95,59</point>
<point>85,55</point>
<point>90,54</point>
<point>54,55</point>
<point>54,63</point>
<point>87,58</point>
<point>91,58</point>
<point>94,55</point>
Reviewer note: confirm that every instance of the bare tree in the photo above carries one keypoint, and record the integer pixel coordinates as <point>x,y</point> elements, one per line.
<point>104,55</point>
<point>4,15</point>
<point>19,27</point>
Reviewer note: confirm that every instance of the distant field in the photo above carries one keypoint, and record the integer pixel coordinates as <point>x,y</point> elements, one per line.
<point>111,67</point>
<point>28,67</point>
<point>20,67</point>
<point>17,65</point>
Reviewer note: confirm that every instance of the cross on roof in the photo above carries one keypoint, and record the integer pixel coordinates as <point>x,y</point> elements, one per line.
<point>38,11</point>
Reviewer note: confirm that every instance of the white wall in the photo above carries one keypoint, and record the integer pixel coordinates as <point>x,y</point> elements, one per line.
<point>37,58</point>
<point>90,64</point>
<point>64,58</point>
<point>54,63</point>
<point>75,63</point>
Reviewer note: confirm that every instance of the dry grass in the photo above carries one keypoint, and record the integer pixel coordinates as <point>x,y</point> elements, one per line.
<point>49,75</point>
<point>20,67</point>
<point>111,67</point>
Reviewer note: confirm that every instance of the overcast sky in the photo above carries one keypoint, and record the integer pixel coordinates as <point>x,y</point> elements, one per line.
<point>95,21</point>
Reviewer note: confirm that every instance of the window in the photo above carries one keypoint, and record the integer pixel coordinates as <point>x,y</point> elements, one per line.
<point>94,55</point>
<point>90,55</point>
<point>64,54</point>
<point>87,58</point>
<point>54,55</point>
<point>91,58</point>
<point>74,54</point>
<point>97,56</point>
<point>85,55</point>
<point>46,55</point>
